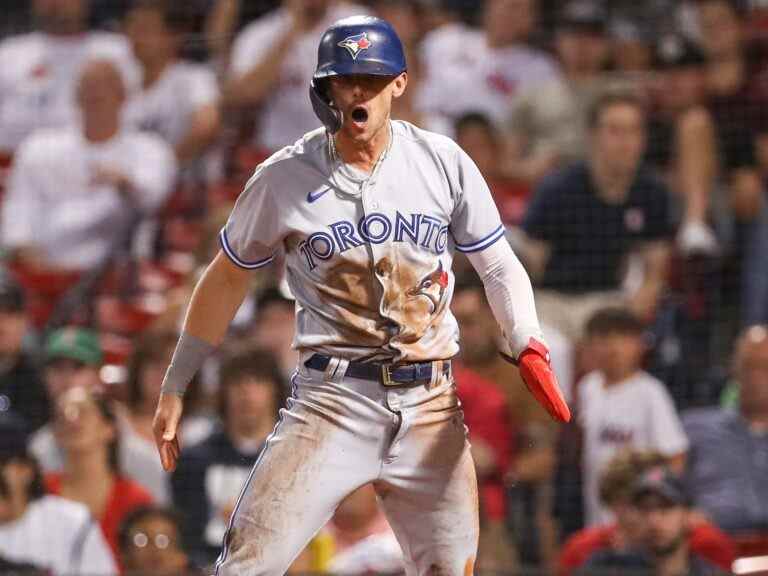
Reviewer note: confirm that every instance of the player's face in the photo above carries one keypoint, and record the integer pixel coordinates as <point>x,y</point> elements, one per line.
<point>366,102</point>
<point>509,21</point>
<point>618,139</point>
<point>630,519</point>
<point>59,16</point>
<point>63,374</point>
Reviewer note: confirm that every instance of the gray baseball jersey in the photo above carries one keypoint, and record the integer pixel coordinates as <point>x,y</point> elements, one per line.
<point>368,256</point>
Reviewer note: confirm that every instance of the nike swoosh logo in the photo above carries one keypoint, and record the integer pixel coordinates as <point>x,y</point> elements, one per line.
<point>316,194</point>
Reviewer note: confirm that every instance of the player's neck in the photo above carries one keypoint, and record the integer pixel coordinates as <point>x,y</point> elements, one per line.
<point>363,155</point>
<point>153,70</point>
<point>611,186</point>
<point>101,129</point>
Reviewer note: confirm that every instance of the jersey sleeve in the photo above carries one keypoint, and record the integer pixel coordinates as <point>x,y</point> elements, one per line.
<point>252,233</point>
<point>475,222</point>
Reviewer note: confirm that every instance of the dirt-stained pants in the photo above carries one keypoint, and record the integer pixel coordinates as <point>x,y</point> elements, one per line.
<point>337,434</point>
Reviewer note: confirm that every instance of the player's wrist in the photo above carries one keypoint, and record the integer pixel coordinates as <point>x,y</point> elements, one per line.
<point>188,357</point>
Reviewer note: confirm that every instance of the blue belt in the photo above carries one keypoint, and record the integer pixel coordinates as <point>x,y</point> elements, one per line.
<point>386,374</point>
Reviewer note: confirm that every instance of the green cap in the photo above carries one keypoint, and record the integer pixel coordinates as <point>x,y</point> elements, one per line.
<point>74,344</point>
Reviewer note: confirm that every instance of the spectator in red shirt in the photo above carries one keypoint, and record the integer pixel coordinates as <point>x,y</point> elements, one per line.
<point>486,415</point>
<point>616,485</point>
<point>85,428</point>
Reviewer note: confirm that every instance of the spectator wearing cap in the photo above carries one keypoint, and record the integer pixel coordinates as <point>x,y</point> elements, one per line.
<point>664,546</point>
<point>51,534</point>
<point>682,141</point>
<point>210,475</point>
<point>621,406</point>
<point>21,384</point>
<point>626,533</point>
<point>728,463</point>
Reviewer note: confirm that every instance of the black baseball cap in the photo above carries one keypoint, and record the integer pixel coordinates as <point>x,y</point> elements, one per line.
<point>13,437</point>
<point>674,51</point>
<point>12,297</point>
<point>662,483</point>
<point>583,16</point>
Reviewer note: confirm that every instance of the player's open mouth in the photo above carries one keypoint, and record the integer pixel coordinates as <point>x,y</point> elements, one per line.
<point>359,115</point>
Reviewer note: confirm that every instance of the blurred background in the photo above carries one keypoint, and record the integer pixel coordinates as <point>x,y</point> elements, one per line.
<point>626,146</point>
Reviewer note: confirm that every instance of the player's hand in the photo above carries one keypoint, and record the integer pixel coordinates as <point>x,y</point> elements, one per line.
<point>165,427</point>
<point>533,363</point>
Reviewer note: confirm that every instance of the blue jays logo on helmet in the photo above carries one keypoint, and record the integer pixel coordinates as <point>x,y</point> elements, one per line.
<point>356,44</point>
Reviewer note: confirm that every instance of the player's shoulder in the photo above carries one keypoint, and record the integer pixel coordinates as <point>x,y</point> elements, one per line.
<point>649,182</point>
<point>307,150</point>
<point>48,143</point>
<point>569,179</point>
<point>647,384</point>
<point>108,40</point>
<point>411,135</point>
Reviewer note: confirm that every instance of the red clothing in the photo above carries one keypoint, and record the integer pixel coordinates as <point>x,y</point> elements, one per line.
<point>486,415</point>
<point>126,495</point>
<point>706,540</point>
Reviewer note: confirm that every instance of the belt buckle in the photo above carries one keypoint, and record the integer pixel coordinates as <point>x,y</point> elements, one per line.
<point>386,375</point>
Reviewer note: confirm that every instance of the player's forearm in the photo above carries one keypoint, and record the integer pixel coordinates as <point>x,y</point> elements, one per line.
<point>214,303</point>
<point>509,293</point>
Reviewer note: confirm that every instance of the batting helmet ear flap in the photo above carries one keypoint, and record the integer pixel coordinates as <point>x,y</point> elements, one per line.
<point>331,117</point>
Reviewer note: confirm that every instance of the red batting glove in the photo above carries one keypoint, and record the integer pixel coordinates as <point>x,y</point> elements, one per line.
<point>537,374</point>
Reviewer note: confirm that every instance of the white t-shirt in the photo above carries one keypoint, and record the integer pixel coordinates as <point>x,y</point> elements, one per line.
<point>57,535</point>
<point>39,76</point>
<point>463,74</point>
<point>53,204</point>
<point>637,413</point>
<point>286,113</point>
<point>165,107</point>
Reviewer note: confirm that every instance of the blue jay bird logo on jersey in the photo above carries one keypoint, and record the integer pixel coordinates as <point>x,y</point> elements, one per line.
<point>356,44</point>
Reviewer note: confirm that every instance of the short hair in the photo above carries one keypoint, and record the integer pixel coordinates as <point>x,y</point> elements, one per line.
<point>151,347</point>
<point>614,320</point>
<point>179,17</point>
<point>269,296</point>
<point>619,476</point>
<point>250,362</point>
<point>476,119</point>
<point>141,513</point>
<point>613,97</point>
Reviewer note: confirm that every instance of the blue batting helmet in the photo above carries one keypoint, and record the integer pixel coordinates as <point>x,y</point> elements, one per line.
<point>354,45</point>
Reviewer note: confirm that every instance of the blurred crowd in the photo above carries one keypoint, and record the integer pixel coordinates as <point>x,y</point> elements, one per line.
<point>626,146</point>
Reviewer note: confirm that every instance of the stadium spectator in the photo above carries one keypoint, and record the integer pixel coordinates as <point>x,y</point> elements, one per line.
<point>138,455</point>
<point>21,384</point>
<point>484,143</point>
<point>54,535</point>
<point>209,476</point>
<point>504,78</point>
<point>274,329</point>
<point>86,430</point>
<point>73,358</point>
<point>179,99</point>
<point>39,89</point>
<point>728,462</point>
<point>273,60</point>
<point>530,471</point>
<point>74,193</point>
<point>492,435</point>
<point>586,220</point>
<point>358,540</point>
<point>621,406</point>
<point>682,139</point>
<point>625,534</point>
<point>665,527</point>
<point>150,543</point>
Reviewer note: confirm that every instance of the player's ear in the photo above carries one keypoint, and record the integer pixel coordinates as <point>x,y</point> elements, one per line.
<point>399,84</point>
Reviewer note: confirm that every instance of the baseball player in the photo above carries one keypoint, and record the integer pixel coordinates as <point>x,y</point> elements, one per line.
<point>369,212</point>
